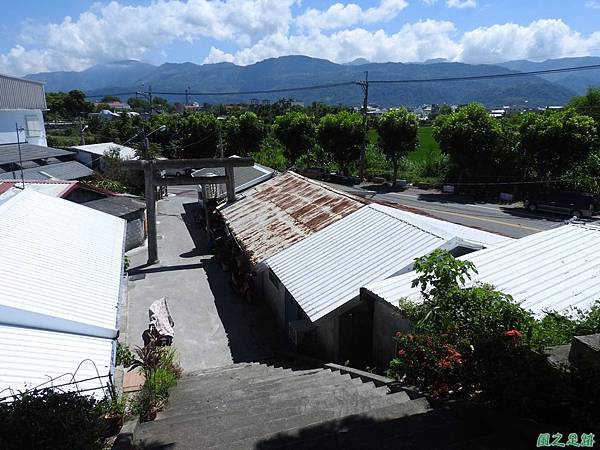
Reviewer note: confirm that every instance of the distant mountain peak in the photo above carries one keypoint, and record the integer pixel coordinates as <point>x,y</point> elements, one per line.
<point>358,62</point>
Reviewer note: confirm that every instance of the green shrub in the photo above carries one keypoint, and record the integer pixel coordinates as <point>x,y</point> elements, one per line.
<point>52,420</point>
<point>124,356</point>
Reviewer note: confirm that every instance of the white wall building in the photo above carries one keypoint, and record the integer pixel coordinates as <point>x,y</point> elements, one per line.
<point>21,104</point>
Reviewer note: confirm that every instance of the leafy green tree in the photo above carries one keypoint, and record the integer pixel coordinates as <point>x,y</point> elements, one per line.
<point>588,104</point>
<point>554,142</point>
<point>138,103</point>
<point>199,135</point>
<point>244,133</point>
<point>470,137</point>
<point>341,136</point>
<point>66,105</point>
<point>109,99</point>
<point>296,131</point>
<point>398,130</point>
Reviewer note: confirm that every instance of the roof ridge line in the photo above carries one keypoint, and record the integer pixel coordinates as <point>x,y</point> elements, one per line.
<point>409,223</point>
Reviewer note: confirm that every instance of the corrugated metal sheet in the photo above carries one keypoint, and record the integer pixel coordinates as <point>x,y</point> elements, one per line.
<point>54,188</point>
<point>102,148</point>
<point>551,270</point>
<point>326,270</point>
<point>279,212</point>
<point>62,265</point>
<point>245,177</point>
<point>18,93</point>
<point>29,358</point>
<point>70,170</point>
<point>9,153</point>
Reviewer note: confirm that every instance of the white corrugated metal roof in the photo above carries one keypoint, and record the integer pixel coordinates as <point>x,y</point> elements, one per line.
<point>61,265</point>
<point>327,269</point>
<point>551,270</point>
<point>102,148</point>
<point>53,188</point>
<point>31,357</point>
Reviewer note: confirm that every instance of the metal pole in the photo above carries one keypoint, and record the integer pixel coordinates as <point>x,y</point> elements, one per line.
<point>150,212</point>
<point>230,184</point>
<point>220,138</point>
<point>365,86</point>
<point>81,130</point>
<point>20,157</point>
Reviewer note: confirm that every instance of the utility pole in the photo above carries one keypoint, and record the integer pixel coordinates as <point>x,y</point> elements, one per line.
<point>20,157</point>
<point>187,90</point>
<point>220,120</point>
<point>81,131</point>
<point>365,87</point>
<point>150,97</point>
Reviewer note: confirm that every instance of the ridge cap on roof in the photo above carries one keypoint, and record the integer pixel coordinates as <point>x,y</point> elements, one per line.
<point>327,187</point>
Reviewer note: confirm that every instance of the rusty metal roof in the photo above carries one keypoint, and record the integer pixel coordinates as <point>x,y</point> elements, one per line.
<point>282,211</point>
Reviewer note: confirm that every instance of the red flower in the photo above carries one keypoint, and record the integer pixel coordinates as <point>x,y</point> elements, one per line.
<point>398,333</point>
<point>515,335</point>
<point>440,390</point>
<point>401,352</point>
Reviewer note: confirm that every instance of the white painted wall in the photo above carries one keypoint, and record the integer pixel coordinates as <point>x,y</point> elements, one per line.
<point>10,117</point>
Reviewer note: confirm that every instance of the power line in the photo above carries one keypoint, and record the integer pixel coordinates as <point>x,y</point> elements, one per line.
<point>360,83</point>
<point>485,77</point>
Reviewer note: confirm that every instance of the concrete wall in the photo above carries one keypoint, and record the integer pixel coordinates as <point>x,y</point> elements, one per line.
<point>387,319</point>
<point>328,340</point>
<point>10,117</point>
<point>85,158</point>
<point>135,234</point>
<point>275,297</point>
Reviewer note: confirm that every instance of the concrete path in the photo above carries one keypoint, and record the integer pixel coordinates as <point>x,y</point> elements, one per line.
<point>213,327</point>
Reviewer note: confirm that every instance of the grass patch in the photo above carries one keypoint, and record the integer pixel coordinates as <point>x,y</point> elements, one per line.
<point>428,147</point>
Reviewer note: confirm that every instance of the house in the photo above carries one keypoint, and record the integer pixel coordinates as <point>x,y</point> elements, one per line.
<point>62,286</point>
<point>38,162</point>
<point>245,178</point>
<point>553,270</point>
<point>21,104</point>
<point>130,209</point>
<point>92,155</point>
<point>315,283</point>
<point>282,211</point>
<point>73,191</point>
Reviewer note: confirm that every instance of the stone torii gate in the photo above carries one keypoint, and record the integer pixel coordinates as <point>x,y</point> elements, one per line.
<point>152,179</point>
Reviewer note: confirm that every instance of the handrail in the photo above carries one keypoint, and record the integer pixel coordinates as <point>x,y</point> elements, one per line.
<point>73,381</point>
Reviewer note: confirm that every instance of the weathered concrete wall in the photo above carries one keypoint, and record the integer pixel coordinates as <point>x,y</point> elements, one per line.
<point>387,320</point>
<point>274,295</point>
<point>328,336</point>
<point>136,231</point>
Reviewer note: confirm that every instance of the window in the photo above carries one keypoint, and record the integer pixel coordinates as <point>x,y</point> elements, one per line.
<point>34,126</point>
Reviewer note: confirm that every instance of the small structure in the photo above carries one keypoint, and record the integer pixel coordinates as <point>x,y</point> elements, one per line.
<point>37,162</point>
<point>61,291</point>
<point>21,103</point>
<point>74,191</point>
<point>245,177</point>
<point>554,270</point>
<point>130,209</point>
<point>92,155</point>
<point>317,281</point>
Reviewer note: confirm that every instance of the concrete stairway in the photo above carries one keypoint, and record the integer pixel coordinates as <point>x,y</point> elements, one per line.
<point>289,405</point>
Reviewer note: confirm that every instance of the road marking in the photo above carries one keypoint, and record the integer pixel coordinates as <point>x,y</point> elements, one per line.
<point>416,197</point>
<point>483,219</point>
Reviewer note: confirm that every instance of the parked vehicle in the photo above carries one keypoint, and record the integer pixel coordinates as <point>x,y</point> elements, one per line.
<point>575,204</point>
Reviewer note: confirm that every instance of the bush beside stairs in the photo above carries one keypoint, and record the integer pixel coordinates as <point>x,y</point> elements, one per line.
<point>289,404</point>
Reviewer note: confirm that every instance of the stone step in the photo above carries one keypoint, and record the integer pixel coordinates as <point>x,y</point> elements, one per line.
<point>237,373</point>
<point>293,393</point>
<point>340,402</point>
<point>362,429</point>
<point>254,377</point>
<point>218,424</point>
<point>241,389</point>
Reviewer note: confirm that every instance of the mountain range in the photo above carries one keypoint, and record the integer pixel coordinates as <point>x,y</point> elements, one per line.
<point>129,76</point>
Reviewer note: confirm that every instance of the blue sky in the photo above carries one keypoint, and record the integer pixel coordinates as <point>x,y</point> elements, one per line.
<point>73,35</point>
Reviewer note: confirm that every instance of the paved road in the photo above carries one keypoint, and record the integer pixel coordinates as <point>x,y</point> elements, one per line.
<point>508,220</point>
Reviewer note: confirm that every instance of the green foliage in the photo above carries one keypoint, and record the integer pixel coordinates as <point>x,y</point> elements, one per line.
<point>398,130</point>
<point>108,184</point>
<point>243,134</point>
<point>553,142</point>
<point>295,130</point>
<point>109,99</point>
<point>124,356</point>
<point>470,137</point>
<point>52,420</point>
<point>588,104</point>
<point>553,329</point>
<point>271,154</point>
<point>66,105</point>
<point>441,273</point>
<point>341,136</point>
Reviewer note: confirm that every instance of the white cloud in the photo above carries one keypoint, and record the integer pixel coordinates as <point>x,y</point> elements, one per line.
<point>593,4</point>
<point>341,15</point>
<point>259,29</point>
<point>541,39</point>
<point>461,3</point>
<point>413,42</point>
<point>115,31</point>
